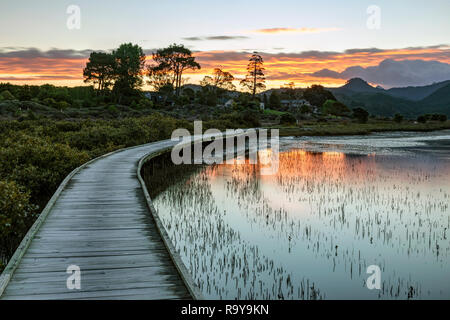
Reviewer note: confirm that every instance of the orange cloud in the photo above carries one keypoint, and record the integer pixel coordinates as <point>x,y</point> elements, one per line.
<point>300,67</point>
<point>66,66</point>
<point>294,30</point>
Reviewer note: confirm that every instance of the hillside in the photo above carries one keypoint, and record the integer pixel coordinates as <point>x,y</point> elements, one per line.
<point>355,85</point>
<point>410,101</point>
<point>417,93</point>
<point>438,102</point>
<point>379,104</point>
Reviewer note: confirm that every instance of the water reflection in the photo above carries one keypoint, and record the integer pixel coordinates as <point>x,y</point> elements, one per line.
<point>311,230</point>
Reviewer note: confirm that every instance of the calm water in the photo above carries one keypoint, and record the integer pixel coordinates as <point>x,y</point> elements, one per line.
<point>336,206</point>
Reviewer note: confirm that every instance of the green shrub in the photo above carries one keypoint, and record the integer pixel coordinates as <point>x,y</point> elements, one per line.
<point>50,102</point>
<point>437,117</point>
<point>63,105</point>
<point>335,108</point>
<point>113,110</point>
<point>37,163</point>
<point>6,95</point>
<point>145,104</point>
<point>422,119</point>
<point>287,119</point>
<point>398,118</point>
<point>16,216</point>
<point>361,115</point>
<point>305,109</point>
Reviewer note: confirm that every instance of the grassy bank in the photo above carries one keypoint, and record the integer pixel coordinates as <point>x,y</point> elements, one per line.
<point>339,129</point>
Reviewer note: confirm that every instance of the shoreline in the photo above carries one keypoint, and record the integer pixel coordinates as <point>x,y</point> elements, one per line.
<point>352,129</point>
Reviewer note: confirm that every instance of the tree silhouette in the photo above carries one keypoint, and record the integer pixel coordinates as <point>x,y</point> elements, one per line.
<point>174,60</point>
<point>220,80</point>
<point>100,70</point>
<point>158,78</point>
<point>129,65</point>
<point>254,80</point>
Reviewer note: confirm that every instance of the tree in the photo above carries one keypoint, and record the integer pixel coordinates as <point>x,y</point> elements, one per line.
<point>274,100</point>
<point>361,115</point>
<point>189,93</point>
<point>167,91</point>
<point>220,79</point>
<point>174,60</point>
<point>254,80</point>
<point>422,119</point>
<point>223,79</point>
<point>318,95</point>
<point>289,89</point>
<point>398,118</point>
<point>290,86</point>
<point>6,95</point>
<point>100,70</point>
<point>287,119</point>
<point>335,108</point>
<point>436,117</point>
<point>305,109</point>
<point>206,83</point>
<point>129,65</point>
<point>158,79</point>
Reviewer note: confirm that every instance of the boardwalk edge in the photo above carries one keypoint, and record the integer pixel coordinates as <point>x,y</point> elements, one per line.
<point>185,275</point>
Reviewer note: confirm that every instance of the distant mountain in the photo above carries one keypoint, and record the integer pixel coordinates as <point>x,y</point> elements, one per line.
<point>438,102</point>
<point>380,104</point>
<point>417,93</point>
<point>356,85</point>
<point>409,101</point>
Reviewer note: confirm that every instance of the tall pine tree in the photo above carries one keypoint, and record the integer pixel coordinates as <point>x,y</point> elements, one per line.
<point>254,80</point>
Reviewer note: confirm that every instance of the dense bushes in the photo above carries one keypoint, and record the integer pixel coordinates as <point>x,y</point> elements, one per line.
<point>287,119</point>
<point>16,215</point>
<point>398,118</point>
<point>248,118</point>
<point>318,95</point>
<point>432,117</point>
<point>361,115</point>
<point>37,163</point>
<point>336,108</point>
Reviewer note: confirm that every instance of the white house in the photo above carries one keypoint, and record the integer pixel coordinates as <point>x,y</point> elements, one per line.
<point>295,103</point>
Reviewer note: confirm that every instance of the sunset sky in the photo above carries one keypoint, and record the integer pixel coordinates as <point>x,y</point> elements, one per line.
<point>306,42</point>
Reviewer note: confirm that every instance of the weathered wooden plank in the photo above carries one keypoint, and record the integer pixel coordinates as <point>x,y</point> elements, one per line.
<point>89,285</point>
<point>144,293</point>
<point>114,273</point>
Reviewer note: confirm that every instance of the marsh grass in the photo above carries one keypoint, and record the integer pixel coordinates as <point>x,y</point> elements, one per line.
<point>311,231</point>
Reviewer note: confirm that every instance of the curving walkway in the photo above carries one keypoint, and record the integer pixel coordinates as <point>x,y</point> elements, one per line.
<point>100,222</point>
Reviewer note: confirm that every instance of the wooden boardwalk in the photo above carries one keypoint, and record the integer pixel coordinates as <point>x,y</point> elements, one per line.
<point>100,222</point>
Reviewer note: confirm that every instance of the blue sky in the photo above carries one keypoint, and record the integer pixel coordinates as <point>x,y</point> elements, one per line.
<point>106,24</point>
